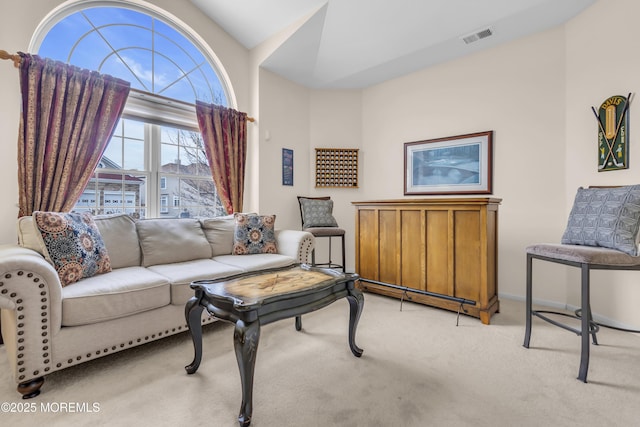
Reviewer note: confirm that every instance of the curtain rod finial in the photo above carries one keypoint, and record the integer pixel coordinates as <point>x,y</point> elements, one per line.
<point>15,58</point>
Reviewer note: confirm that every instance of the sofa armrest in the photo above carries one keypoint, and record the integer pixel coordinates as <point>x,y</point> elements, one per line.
<point>30,299</point>
<point>296,244</point>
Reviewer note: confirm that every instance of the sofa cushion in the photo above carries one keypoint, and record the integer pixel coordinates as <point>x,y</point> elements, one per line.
<point>219,233</point>
<point>254,234</point>
<point>121,239</point>
<point>607,217</point>
<point>256,262</point>
<point>73,245</point>
<point>120,293</point>
<point>165,241</point>
<point>29,236</point>
<point>181,274</point>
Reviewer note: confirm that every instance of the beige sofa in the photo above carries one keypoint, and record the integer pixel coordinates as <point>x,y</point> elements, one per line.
<point>47,327</point>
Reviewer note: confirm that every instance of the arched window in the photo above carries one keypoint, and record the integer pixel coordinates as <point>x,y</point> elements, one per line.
<point>156,153</point>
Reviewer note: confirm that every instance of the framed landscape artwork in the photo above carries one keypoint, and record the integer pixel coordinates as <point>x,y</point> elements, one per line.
<point>459,164</point>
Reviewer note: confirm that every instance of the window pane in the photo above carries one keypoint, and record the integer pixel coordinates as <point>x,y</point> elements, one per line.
<point>87,202</point>
<point>112,157</point>
<point>182,152</point>
<point>130,66</point>
<point>181,89</point>
<point>90,51</point>
<point>155,57</point>
<point>165,32</point>
<point>121,36</point>
<point>133,154</point>
<point>109,193</point>
<point>120,193</point>
<point>134,129</point>
<point>209,204</point>
<point>137,47</point>
<point>126,148</point>
<point>71,28</point>
<point>169,158</point>
<point>100,16</point>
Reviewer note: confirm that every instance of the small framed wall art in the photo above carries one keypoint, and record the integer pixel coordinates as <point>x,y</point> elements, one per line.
<point>459,164</point>
<point>613,136</point>
<point>287,166</point>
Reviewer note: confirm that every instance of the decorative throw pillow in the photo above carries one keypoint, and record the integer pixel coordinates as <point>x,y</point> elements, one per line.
<point>254,234</point>
<point>606,217</point>
<point>317,213</point>
<point>74,245</point>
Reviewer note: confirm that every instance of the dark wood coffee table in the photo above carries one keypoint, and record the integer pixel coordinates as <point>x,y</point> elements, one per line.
<point>254,299</point>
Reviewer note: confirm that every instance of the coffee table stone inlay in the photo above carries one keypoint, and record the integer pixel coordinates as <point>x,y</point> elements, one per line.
<point>254,299</point>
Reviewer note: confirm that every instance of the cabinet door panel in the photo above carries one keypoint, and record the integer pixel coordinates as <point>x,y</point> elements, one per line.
<point>492,256</point>
<point>437,248</point>
<point>412,249</point>
<point>467,263</point>
<point>389,251</point>
<point>368,241</point>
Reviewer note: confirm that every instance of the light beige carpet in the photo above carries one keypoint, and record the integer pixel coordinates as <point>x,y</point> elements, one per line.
<point>418,369</point>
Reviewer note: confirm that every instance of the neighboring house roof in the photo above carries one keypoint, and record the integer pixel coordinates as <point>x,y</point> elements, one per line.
<point>174,167</point>
<point>116,176</point>
<point>107,163</point>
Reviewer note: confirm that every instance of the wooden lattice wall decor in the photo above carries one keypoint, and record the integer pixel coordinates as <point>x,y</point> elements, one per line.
<point>337,167</point>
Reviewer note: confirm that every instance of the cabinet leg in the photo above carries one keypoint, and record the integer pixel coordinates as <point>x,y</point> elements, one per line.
<point>485,317</point>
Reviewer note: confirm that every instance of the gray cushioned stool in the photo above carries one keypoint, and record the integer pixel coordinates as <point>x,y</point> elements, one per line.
<point>586,258</point>
<point>328,232</point>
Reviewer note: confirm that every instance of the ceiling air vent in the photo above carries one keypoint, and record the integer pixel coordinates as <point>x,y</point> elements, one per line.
<point>479,35</point>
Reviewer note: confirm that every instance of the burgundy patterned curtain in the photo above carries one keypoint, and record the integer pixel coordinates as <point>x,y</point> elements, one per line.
<point>68,117</point>
<point>224,131</point>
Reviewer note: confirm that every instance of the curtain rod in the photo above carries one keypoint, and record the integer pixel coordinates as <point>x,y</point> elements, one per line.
<point>17,59</point>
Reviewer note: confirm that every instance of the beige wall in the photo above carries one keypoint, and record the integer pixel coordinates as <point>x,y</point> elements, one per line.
<point>298,118</point>
<point>603,60</point>
<point>336,122</point>
<point>516,90</point>
<point>284,123</point>
<point>534,93</point>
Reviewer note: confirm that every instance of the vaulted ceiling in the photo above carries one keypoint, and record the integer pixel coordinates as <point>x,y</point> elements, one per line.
<point>358,43</point>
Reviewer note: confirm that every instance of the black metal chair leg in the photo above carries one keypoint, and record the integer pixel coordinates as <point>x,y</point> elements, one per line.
<point>344,262</point>
<point>585,324</point>
<point>593,328</point>
<point>528,302</point>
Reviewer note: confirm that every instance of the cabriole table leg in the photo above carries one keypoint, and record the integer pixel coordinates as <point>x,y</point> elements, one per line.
<point>245,340</point>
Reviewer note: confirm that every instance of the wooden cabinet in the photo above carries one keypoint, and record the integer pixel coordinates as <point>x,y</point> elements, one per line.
<point>447,246</point>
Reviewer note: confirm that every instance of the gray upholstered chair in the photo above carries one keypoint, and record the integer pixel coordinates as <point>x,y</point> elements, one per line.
<point>601,234</point>
<point>316,214</point>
